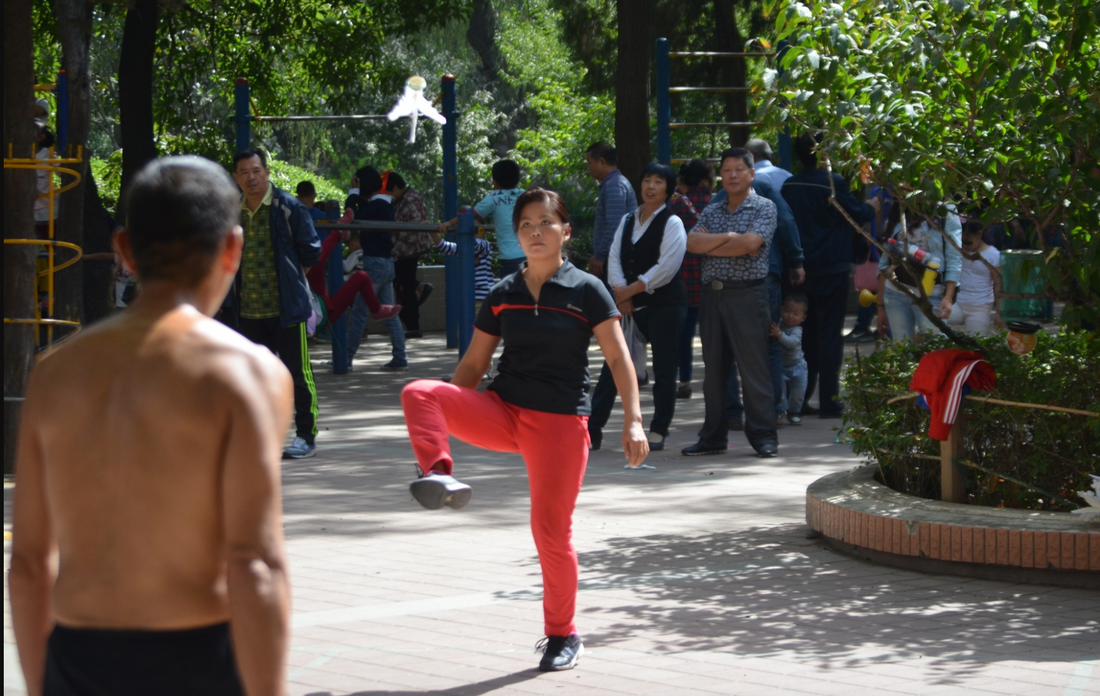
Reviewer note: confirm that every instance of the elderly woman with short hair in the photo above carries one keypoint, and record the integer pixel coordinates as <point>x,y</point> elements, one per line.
<point>644,274</point>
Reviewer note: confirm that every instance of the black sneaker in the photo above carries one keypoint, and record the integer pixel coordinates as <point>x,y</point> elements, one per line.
<point>559,652</point>
<point>860,334</point>
<point>436,490</point>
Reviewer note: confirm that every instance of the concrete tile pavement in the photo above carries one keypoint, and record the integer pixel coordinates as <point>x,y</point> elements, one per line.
<point>696,577</point>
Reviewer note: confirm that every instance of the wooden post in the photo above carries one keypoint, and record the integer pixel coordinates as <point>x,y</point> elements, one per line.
<point>951,450</point>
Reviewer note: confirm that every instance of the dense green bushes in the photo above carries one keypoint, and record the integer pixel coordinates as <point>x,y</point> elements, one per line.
<point>1028,458</point>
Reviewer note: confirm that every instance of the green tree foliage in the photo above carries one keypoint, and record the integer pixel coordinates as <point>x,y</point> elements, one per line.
<point>991,104</point>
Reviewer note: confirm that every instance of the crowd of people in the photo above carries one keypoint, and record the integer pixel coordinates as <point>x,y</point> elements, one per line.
<point>761,266</point>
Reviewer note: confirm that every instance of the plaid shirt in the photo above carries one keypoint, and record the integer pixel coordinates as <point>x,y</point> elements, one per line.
<point>259,283</point>
<point>688,208</point>
<point>756,214</point>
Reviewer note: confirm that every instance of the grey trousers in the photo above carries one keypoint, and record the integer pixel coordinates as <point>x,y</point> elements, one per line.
<point>734,326</point>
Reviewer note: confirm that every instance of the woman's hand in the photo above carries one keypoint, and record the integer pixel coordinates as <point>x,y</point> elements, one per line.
<point>635,444</point>
<point>944,310</point>
<point>622,294</point>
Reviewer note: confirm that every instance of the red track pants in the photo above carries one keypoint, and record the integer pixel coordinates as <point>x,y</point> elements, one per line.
<point>358,284</point>
<point>555,449</point>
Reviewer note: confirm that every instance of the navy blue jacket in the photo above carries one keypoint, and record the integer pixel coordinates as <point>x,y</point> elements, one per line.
<point>296,247</point>
<point>827,240</point>
<point>787,250</point>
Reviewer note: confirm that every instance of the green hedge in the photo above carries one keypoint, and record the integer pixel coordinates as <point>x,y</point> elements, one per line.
<point>1029,458</point>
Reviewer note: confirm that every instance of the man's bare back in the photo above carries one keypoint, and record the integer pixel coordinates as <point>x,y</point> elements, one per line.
<point>147,510</point>
<point>132,420</point>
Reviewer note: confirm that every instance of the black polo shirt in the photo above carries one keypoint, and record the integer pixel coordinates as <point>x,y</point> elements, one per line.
<point>545,362</point>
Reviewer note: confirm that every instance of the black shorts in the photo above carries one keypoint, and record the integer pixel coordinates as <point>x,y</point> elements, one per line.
<point>116,663</point>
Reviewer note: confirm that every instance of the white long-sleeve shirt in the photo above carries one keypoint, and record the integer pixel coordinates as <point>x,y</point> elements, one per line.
<point>673,248</point>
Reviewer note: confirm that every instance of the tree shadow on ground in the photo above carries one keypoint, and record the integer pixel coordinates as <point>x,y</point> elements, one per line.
<point>771,590</point>
<point>475,689</point>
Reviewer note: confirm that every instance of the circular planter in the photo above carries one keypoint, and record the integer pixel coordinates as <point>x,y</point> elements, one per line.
<point>858,515</point>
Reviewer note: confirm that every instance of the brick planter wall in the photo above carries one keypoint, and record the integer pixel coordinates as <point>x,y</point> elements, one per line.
<point>857,514</point>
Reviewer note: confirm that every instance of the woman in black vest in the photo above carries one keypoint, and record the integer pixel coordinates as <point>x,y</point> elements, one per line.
<point>644,274</point>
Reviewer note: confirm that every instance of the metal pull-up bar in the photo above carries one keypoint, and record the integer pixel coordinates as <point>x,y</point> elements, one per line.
<point>350,117</point>
<point>665,126</point>
<point>719,54</point>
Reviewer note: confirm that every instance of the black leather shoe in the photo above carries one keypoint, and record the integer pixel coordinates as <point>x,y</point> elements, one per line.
<point>809,411</point>
<point>699,449</point>
<point>767,450</point>
<point>833,413</point>
<point>597,440</point>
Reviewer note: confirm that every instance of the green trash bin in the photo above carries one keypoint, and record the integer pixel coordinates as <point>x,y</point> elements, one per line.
<point>1022,273</point>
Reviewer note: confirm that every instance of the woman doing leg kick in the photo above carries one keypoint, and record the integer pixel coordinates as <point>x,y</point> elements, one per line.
<point>537,405</point>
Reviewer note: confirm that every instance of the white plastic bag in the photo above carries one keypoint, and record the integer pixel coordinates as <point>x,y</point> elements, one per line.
<point>635,341</point>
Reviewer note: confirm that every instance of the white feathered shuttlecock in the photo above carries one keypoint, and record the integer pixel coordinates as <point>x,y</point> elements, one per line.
<point>1092,512</point>
<point>412,104</point>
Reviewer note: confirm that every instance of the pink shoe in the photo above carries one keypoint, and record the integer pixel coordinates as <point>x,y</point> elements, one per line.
<point>386,311</point>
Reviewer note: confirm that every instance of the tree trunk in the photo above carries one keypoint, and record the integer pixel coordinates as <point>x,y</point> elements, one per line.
<point>482,37</point>
<point>135,88</point>
<point>98,275</point>
<point>632,87</point>
<point>732,69</point>
<point>19,196</point>
<point>74,31</point>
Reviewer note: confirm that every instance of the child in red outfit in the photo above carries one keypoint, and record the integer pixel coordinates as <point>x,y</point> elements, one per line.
<point>359,283</point>
<point>537,405</point>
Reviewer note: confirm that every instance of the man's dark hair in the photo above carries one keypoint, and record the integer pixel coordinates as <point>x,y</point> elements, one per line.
<point>47,138</point>
<point>797,297</point>
<point>370,181</point>
<point>178,213</point>
<point>395,181</point>
<point>760,149</point>
<point>804,147</point>
<point>305,188</point>
<point>736,153</point>
<point>665,172</point>
<point>506,173</point>
<point>605,152</point>
<point>696,172</point>
<point>249,154</point>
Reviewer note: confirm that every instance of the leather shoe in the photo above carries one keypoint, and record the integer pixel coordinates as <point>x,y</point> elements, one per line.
<point>597,440</point>
<point>831,414</point>
<point>700,448</point>
<point>808,410</point>
<point>767,450</point>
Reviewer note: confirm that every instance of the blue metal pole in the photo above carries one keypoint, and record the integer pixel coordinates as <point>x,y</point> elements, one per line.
<point>243,114</point>
<point>450,207</point>
<point>664,104</point>
<point>784,145</point>
<point>334,272</point>
<point>465,275</point>
<point>62,112</point>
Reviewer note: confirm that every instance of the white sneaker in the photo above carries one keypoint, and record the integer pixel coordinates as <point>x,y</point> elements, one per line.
<point>299,449</point>
<point>434,490</point>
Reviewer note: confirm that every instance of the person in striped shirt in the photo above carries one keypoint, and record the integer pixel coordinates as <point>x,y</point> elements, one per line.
<point>483,262</point>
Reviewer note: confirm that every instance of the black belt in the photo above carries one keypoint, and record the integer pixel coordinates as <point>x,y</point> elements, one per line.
<point>733,284</point>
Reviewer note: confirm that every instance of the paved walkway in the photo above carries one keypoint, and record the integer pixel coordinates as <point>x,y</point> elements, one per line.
<point>696,577</point>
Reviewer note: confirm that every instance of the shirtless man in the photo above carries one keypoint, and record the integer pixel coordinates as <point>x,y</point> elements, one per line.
<point>147,514</point>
